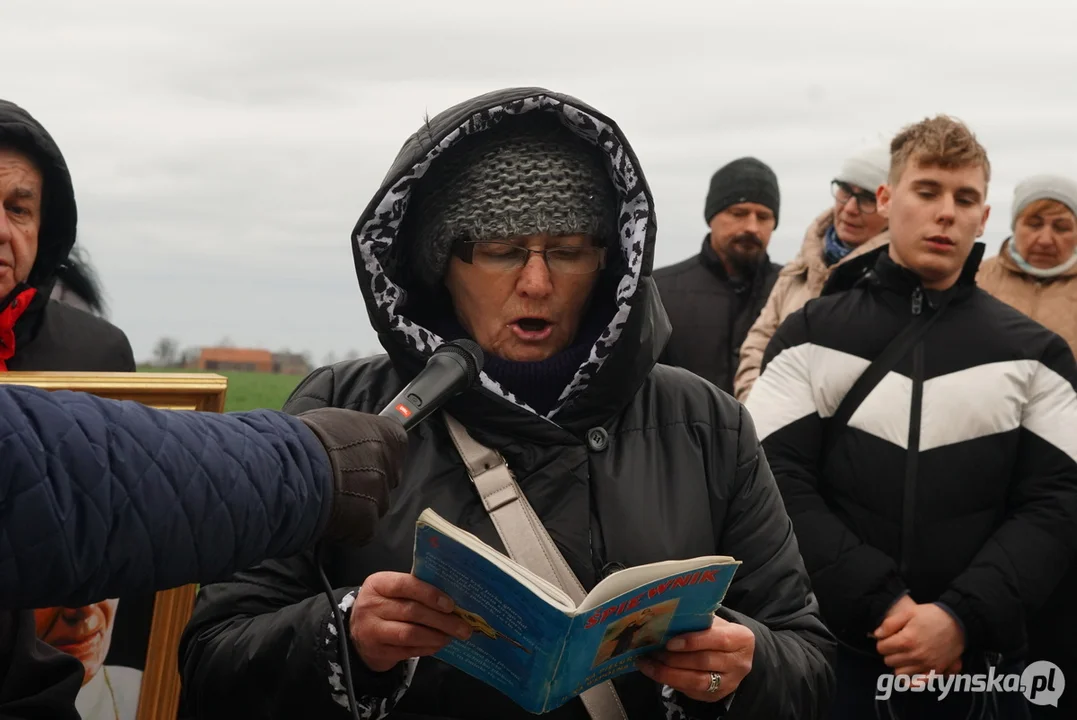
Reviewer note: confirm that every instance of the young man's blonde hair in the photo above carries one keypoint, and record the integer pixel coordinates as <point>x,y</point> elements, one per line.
<point>941,142</point>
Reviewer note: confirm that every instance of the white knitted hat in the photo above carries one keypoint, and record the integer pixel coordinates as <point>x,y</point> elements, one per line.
<point>1043,187</point>
<point>867,168</point>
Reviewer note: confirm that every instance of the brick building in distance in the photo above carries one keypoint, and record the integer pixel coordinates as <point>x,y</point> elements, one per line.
<point>217,359</point>
<point>290,364</point>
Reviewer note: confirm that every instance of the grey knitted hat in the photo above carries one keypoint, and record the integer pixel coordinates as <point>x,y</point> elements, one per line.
<point>1043,187</point>
<point>524,177</point>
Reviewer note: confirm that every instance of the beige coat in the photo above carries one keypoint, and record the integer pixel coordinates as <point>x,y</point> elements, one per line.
<point>1052,302</point>
<point>799,281</point>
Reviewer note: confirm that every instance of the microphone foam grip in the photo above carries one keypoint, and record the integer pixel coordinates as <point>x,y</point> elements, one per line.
<point>472,355</point>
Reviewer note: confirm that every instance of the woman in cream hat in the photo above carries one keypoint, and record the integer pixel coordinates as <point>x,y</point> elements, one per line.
<point>1036,268</point>
<point>849,228</point>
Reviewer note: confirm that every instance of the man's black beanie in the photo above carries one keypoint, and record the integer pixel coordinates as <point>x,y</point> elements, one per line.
<point>743,180</point>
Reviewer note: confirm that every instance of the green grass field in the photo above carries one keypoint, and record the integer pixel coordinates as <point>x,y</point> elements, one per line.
<point>249,391</point>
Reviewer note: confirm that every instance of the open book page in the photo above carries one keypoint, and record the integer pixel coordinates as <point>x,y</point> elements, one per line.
<point>604,642</point>
<point>537,584</point>
<point>624,580</point>
<point>517,632</point>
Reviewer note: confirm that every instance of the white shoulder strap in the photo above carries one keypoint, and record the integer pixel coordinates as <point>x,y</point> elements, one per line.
<point>527,541</point>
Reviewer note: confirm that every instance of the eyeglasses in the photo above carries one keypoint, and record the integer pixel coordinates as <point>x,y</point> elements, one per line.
<point>865,201</point>
<point>501,256</point>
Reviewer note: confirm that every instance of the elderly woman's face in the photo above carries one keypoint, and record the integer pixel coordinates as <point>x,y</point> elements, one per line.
<point>1046,234</point>
<point>521,307</point>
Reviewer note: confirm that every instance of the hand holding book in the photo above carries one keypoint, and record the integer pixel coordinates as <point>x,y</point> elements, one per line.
<point>396,616</point>
<point>538,646</point>
<point>687,663</point>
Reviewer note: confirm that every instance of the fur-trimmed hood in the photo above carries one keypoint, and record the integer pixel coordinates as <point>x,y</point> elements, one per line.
<point>625,351</point>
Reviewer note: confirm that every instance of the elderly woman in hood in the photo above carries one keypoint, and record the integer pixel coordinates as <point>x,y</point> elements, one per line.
<point>1036,272</point>
<point>851,227</point>
<point>521,219</point>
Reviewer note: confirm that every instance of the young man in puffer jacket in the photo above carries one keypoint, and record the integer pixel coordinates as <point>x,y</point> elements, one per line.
<point>938,519</point>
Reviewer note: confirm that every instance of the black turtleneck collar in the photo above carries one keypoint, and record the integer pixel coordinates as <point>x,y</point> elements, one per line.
<point>879,269</point>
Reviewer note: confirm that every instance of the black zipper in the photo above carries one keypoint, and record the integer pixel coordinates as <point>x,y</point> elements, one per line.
<point>912,456</point>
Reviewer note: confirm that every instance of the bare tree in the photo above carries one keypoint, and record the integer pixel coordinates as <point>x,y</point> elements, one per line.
<point>352,354</point>
<point>166,352</point>
<point>189,357</point>
<point>225,342</point>
<point>330,358</point>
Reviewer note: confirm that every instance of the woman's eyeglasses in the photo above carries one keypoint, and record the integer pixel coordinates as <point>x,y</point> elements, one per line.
<point>865,200</point>
<point>503,256</point>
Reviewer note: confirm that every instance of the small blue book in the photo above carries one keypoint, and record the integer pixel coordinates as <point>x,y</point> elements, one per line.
<point>532,642</point>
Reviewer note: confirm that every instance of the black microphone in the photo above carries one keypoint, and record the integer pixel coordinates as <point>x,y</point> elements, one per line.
<point>453,368</point>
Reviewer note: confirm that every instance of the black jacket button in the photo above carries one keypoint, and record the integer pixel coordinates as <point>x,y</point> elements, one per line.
<point>598,439</point>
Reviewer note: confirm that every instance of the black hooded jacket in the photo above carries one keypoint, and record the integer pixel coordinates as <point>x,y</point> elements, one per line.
<point>50,335</point>
<point>638,463</point>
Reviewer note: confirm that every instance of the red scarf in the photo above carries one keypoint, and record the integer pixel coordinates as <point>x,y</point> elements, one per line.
<point>8,318</point>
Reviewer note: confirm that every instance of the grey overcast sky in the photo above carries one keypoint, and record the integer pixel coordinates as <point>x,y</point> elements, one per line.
<point>222,151</point>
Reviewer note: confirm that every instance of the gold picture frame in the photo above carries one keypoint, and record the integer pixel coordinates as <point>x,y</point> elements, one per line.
<point>159,691</point>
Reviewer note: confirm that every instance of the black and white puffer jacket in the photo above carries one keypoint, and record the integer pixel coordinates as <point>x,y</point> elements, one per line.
<point>955,480</point>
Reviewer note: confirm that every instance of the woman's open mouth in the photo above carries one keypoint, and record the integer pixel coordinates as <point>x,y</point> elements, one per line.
<point>532,329</point>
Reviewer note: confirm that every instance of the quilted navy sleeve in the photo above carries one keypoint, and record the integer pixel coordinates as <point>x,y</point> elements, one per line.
<point>102,498</point>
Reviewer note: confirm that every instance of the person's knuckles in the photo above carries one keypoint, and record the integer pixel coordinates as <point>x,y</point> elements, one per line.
<point>411,611</point>
<point>714,639</point>
<point>397,634</point>
<point>402,586</point>
<point>747,663</point>
<point>898,643</point>
<point>716,661</point>
<point>687,661</point>
<point>418,591</point>
<point>448,624</point>
<point>382,584</point>
<point>368,599</point>
<point>735,637</point>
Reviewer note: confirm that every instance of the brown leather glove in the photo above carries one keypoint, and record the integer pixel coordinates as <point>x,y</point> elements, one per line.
<point>366,453</point>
